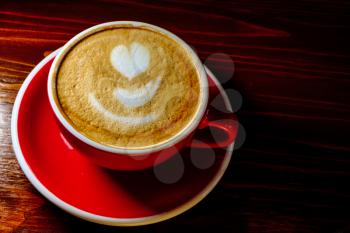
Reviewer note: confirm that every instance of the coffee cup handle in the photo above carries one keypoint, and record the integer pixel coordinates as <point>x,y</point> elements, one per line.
<point>226,122</point>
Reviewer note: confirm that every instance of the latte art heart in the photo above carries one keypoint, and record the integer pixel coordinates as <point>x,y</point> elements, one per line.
<point>130,62</point>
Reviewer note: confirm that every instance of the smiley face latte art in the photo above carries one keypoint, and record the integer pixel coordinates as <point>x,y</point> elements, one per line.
<point>128,87</point>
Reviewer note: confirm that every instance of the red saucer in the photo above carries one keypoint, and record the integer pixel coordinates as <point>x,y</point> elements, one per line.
<point>69,180</point>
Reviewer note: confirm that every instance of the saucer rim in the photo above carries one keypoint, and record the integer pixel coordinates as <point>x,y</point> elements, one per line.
<point>100,219</point>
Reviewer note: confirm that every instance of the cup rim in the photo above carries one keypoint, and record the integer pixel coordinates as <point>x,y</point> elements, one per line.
<point>178,137</point>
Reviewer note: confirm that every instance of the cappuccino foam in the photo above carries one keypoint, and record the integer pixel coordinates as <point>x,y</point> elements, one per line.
<point>128,87</point>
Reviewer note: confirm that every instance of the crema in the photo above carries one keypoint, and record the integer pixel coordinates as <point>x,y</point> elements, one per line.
<point>128,87</point>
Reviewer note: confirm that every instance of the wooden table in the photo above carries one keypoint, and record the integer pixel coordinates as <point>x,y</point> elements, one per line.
<point>292,69</point>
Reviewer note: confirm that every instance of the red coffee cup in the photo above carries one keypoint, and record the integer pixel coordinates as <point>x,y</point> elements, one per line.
<point>124,158</point>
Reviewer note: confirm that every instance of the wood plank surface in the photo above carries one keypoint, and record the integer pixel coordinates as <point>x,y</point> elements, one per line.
<point>292,69</point>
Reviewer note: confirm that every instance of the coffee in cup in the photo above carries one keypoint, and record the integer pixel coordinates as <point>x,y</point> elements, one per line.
<point>128,86</point>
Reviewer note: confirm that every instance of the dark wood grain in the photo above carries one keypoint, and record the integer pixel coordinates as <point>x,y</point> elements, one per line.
<point>292,69</point>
